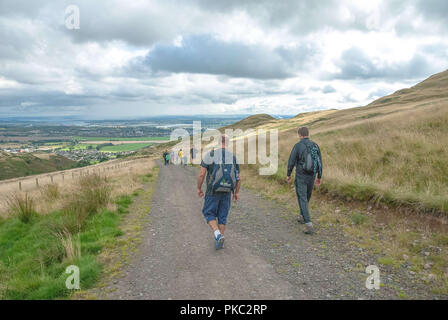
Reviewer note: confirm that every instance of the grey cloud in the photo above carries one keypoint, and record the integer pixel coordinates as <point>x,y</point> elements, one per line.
<point>23,99</point>
<point>299,16</point>
<point>308,16</point>
<point>437,9</point>
<point>23,8</point>
<point>15,43</point>
<point>147,23</point>
<point>140,25</point>
<point>328,89</point>
<point>355,64</point>
<point>204,54</point>
<point>380,92</point>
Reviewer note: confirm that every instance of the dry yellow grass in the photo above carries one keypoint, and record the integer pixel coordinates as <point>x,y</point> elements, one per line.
<point>400,158</point>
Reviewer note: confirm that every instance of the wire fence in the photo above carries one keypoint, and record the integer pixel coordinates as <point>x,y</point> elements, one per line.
<point>109,168</point>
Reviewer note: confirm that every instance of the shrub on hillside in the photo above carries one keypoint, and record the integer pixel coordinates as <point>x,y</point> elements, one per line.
<point>96,192</point>
<point>22,206</point>
<point>93,194</point>
<point>50,191</point>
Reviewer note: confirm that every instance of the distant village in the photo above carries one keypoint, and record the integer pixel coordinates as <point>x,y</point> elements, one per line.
<point>91,155</point>
<point>85,155</point>
<point>19,150</point>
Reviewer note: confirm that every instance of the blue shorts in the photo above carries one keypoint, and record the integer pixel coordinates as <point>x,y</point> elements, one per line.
<point>217,206</point>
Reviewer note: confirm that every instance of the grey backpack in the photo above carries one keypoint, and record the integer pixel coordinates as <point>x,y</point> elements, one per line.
<point>311,159</point>
<point>224,175</point>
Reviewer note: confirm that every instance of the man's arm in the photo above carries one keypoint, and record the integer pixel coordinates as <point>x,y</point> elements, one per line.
<point>201,177</point>
<point>291,162</point>
<point>237,188</point>
<point>319,173</point>
<point>319,170</point>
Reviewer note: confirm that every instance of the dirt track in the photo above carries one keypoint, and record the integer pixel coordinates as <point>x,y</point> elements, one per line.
<point>266,256</point>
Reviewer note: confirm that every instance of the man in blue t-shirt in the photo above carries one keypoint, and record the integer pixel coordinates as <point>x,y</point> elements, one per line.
<point>217,204</point>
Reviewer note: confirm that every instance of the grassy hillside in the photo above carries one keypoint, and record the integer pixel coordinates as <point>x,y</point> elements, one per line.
<point>432,88</point>
<point>389,156</point>
<point>85,222</point>
<point>394,150</point>
<point>25,164</point>
<point>251,122</point>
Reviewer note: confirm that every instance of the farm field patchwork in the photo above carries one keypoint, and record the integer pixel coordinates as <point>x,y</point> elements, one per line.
<point>125,147</point>
<point>122,139</point>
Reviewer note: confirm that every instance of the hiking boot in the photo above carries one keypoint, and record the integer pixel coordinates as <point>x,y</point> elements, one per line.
<point>308,229</point>
<point>219,242</point>
<point>300,219</point>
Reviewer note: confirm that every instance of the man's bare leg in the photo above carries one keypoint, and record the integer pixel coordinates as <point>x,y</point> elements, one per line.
<point>217,231</point>
<point>214,225</point>
<point>222,228</point>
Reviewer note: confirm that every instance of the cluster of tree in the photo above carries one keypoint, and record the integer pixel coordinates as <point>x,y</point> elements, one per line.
<point>98,147</point>
<point>82,163</point>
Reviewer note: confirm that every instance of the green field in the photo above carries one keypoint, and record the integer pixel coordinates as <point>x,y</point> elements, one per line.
<point>121,139</point>
<point>82,146</point>
<point>56,145</point>
<point>116,148</point>
<point>125,147</point>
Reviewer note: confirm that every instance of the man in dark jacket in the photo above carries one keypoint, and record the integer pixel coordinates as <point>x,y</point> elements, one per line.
<point>304,181</point>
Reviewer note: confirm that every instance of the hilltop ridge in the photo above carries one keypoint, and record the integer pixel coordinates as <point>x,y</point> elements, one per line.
<point>434,87</point>
<point>251,122</point>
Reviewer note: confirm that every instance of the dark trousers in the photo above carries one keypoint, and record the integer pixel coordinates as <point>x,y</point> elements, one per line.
<point>304,188</point>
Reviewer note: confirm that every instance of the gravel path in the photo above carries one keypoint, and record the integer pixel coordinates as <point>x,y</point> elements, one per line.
<point>266,255</point>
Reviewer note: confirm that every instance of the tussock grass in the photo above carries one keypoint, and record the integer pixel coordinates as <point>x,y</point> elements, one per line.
<point>94,193</point>
<point>71,244</point>
<point>51,192</point>
<point>22,206</point>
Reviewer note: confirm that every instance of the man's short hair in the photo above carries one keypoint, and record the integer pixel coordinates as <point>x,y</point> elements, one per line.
<point>304,132</point>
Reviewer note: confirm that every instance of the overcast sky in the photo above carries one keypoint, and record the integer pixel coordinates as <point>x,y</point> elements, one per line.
<point>142,58</point>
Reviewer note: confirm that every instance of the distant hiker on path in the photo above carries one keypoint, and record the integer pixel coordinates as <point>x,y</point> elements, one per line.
<point>180,155</point>
<point>167,158</point>
<point>172,157</point>
<point>193,154</point>
<point>164,156</point>
<point>307,159</point>
<point>185,160</point>
<point>223,179</point>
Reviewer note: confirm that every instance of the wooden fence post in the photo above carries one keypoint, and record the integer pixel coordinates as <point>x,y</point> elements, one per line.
<point>20,185</point>
<point>37,182</point>
<point>51,177</point>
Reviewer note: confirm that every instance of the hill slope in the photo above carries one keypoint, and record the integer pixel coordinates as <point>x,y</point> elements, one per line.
<point>25,164</point>
<point>394,150</point>
<point>251,122</point>
<point>435,87</point>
